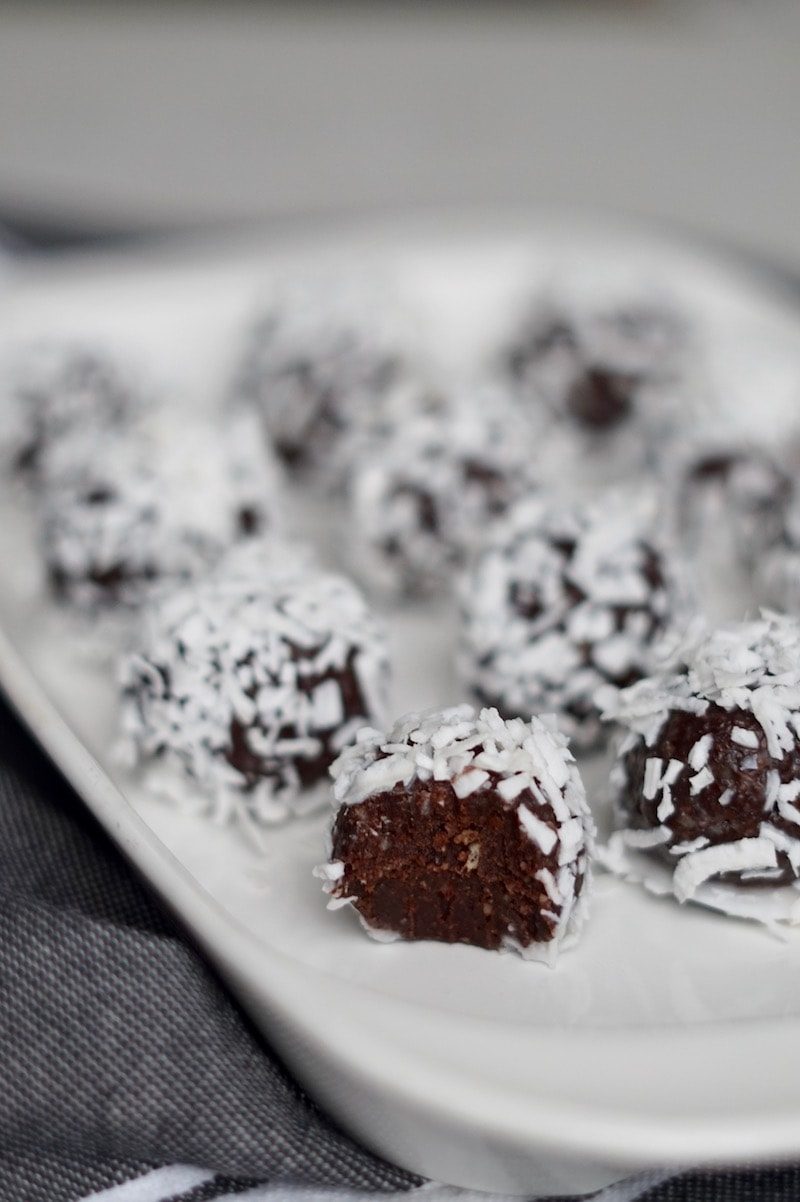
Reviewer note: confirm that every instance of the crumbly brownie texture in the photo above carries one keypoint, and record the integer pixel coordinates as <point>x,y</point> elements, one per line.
<point>54,390</point>
<point>316,361</point>
<point>707,779</point>
<point>563,599</point>
<point>159,503</point>
<point>588,356</point>
<point>424,488</point>
<point>462,829</point>
<point>245,693</point>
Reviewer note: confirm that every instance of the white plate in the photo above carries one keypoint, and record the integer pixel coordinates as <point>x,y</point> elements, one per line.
<point>668,1036</point>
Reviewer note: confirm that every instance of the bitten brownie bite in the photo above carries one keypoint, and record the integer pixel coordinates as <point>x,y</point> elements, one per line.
<point>562,599</point>
<point>316,360</point>
<point>462,828</point>
<point>157,504</point>
<point>53,390</point>
<point>243,692</point>
<point>425,485</point>
<point>707,780</point>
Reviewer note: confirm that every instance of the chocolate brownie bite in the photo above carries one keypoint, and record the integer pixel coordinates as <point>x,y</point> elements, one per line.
<point>317,359</point>
<point>462,828</point>
<point>708,773</point>
<point>157,503</point>
<point>241,692</point>
<point>778,566</point>
<point>426,483</point>
<point>729,496</point>
<point>53,390</point>
<point>727,472</point>
<point>588,354</point>
<point>562,599</point>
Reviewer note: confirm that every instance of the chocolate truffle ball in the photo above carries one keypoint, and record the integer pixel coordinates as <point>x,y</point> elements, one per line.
<point>731,495</point>
<point>244,691</point>
<point>588,354</point>
<point>462,828</point>
<point>316,361</point>
<point>742,486</point>
<point>778,568</point>
<point>708,775</point>
<point>728,466</point>
<point>424,487</point>
<point>53,390</point>
<point>562,599</point>
<point>159,502</point>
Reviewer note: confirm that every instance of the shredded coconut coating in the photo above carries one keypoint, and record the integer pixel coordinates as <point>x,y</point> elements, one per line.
<point>736,691</point>
<point>244,690</point>
<point>563,599</point>
<point>316,360</point>
<point>525,766</point>
<point>159,501</point>
<point>752,666</point>
<point>52,390</point>
<point>425,484</point>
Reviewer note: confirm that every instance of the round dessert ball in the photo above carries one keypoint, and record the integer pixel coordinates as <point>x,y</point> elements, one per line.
<point>462,828</point>
<point>562,599</point>
<point>157,503</point>
<point>424,486</point>
<point>53,390</point>
<point>778,569</point>
<point>727,470</point>
<point>316,361</point>
<point>587,352</point>
<point>708,774</point>
<point>246,691</point>
<point>729,497</point>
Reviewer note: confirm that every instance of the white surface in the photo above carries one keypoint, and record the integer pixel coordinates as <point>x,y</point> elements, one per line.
<point>668,1036</point>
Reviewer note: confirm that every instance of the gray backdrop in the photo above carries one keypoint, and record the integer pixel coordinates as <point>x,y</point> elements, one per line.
<point>685,109</point>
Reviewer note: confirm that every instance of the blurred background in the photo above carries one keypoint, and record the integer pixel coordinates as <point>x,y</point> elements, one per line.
<point>126,115</point>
